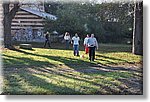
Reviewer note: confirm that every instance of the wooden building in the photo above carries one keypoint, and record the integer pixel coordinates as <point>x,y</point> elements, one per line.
<point>28,24</point>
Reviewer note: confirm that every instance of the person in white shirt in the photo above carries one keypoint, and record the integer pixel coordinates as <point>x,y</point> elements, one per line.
<point>86,45</point>
<point>75,41</point>
<point>92,44</point>
<point>67,39</point>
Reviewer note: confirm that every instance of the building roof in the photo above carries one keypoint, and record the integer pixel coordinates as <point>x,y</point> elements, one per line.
<point>40,13</point>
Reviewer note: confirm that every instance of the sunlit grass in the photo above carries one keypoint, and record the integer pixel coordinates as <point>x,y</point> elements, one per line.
<point>57,71</point>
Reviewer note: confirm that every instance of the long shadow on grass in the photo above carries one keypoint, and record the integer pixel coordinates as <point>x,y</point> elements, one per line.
<point>76,64</point>
<point>51,88</point>
<point>19,62</point>
<point>112,58</point>
<point>36,86</point>
<point>76,78</point>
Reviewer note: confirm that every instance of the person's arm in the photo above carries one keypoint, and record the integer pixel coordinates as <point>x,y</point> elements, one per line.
<point>72,40</point>
<point>69,37</point>
<point>79,40</point>
<point>96,43</point>
<point>87,42</point>
<point>64,37</point>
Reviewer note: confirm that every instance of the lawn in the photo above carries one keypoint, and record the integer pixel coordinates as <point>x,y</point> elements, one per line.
<point>57,71</point>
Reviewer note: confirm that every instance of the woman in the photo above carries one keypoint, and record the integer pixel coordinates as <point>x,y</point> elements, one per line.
<point>67,39</point>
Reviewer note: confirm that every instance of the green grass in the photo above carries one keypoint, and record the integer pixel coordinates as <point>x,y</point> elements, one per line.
<point>57,71</point>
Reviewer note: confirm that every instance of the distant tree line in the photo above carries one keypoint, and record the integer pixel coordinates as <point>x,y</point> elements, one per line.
<point>110,22</point>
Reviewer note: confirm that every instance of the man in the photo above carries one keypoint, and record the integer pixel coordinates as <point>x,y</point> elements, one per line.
<point>47,39</point>
<point>92,44</point>
<point>75,41</point>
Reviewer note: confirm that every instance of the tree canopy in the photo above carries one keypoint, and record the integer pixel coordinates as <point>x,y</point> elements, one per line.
<point>110,22</point>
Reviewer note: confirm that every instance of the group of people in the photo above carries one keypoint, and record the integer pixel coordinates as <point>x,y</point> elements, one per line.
<point>90,44</point>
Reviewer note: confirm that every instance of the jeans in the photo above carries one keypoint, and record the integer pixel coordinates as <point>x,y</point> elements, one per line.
<point>47,41</point>
<point>67,44</point>
<point>76,50</point>
<point>92,53</point>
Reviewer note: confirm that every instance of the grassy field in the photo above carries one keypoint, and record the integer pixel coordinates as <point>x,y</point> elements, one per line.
<point>57,71</point>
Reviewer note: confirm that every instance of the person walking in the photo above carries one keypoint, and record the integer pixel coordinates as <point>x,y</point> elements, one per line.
<point>47,39</point>
<point>92,45</point>
<point>67,39</point>
<point>85,44</point>
<point>75,41</point>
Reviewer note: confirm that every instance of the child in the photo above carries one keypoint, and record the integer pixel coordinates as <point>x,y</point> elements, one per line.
<point>85,44</point>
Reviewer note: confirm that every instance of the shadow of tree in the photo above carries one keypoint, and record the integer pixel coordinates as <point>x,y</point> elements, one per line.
<point>16,89</point>
<point>78,65</point>
<point>111,58</point>
<point>22,61</point>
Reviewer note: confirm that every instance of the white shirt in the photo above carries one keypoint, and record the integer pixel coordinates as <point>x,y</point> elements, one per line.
<point>92,42</point>
<point>67,37</point>
<point>75,40</point>
<point>86,40</point>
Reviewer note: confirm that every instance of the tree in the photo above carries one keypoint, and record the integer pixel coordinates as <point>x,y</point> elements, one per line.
<point>51,7</point>
<point>138,29</point>
<point>110,22</point>
<point>8,16</point>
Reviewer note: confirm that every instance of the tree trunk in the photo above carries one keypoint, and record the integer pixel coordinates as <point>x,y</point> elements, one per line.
<point>138,29</point>
<point>8,16</point>
<point>7,27</point>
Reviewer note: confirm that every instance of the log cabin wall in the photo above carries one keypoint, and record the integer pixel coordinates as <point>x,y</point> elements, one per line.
<point>24,23</point>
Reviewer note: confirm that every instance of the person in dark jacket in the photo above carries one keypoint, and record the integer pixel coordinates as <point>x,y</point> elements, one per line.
<point>47,41</point>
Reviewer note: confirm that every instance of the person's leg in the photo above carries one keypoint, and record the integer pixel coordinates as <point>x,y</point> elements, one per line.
<point>66,43</point>
<point>77,50</point>
<point>86,50</point>
<point>45,43</point>
<point>74,50</point>
<point>93,54</point>
<point>90,53</point>
<point>49,43</point>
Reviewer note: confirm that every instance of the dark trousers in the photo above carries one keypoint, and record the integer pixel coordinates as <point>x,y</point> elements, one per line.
<point>76,50</point>
<point>91,53</point>
<point>47,41</point>
<point>67,44</point>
